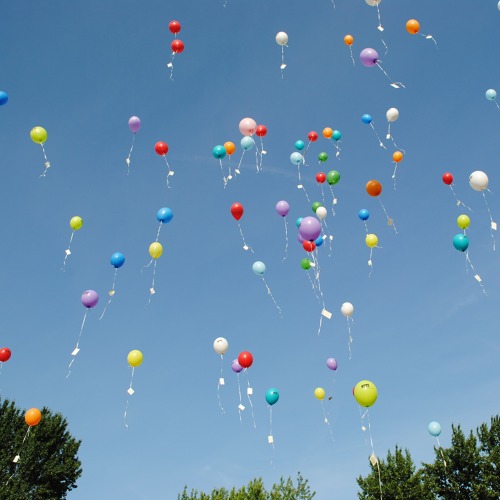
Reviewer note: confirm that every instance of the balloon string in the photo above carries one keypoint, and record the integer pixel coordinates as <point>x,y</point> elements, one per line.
<point>283,65</point>
<point>286,240</point>
<point>394,84</point>
<point>239,393</point>
<point>241,159</point>
<point>370,263</point>
<point>249,391</point>
<point>429,37</point>
<point>171,66</point>
<point>322,194</point>
<point>230,175</point>
<point>394,174</point>
<point>493,225</point>
<point>388,136</point>
<point>380,143</point>
<point>221,379</point>
<point>111,295</point>
<point>158,232</point>
<point>334,200</point>
<point>224,180</point>
<point>272,297</point>
<point>330,237</point>
<point>373,457</point>
<point>68,250</point>
<point>458,201</point>
<point>125,414</point>
<point>47,162</point>
<point>76,350</point>
<point>301,186</point>
<point>327,422</point>
<point>271,439</point>
<point>350,336</point>
<point>170,172</point>
<point>316,276</point>
<point>298,170</point>
<point>18,455</point>
<point>396,146</point>
<point>385,45</point>
<point>390,222</point>
<point>380,28</point>
<point>498,107</point>
<point>257,153</point>
<point>476,276</point>
<point>441,451</point>
<point>366,227</point>
<point>127,160</point>
<point>245,246</point>
<point>352,57</point>
<point>152,289</point>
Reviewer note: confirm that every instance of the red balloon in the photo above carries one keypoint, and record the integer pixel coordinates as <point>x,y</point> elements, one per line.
<point>321,177</point>
<point>245,359</point>
<point>5,354</point>
<point>161,148</point>
<point>309,246</point>
<point>312,136</point>
<point>174,26</point>
<point>237,211</point>
<point>261,130</point>
<point>177,46</point>
<point>447,178</point>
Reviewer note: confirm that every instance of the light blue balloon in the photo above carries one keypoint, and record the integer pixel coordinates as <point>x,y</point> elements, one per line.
<point>364,214</point>
<point>219,152</point>
<point>117,260</point>
<point>247,143</point>
<point>272,396</point>
<point>461,242</point>
<point>300,145</point>
<point>491,94</point>
<point>336,135</point>
<point>366,118</point>
<point>434,429</point>
<point>259,268</point>
<point>164,215</point>
<point>296,158</point>
<point>3,97</point>
<point>319,241</point>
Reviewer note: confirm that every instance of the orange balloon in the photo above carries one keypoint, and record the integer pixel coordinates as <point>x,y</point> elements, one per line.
<point>373,187</point>
<point>397,156</point>
<point>413,26</point>
<point>348,40</point>
<point>33,417</point>
<point>327,132</point>
<point>229,147</point>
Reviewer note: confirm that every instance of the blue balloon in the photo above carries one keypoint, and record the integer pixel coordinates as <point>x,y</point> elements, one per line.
<point>3,97</point>
<point>363,214</point>
<point>300,145</point>
<point>366,118</point>
<point>117,260</point>
<point>259,268</point>
<point>272,396</point>
<point>319,241</point>
<point>491,94</point>
<point>461,242</point>
<point>247,143</point>
<point>298,221</point>
<point>296,158</point>
<point>164,215</point>
<point>336,135</point>
<point>434,429</point>
<point>219,152</point>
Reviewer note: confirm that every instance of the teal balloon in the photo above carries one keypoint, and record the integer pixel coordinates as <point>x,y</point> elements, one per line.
<point>332,177</point>
<point>272,396</point>
<point>300,145</point>
<point>434,429</point>
<point>298,221</point>
<point>259,268</point>
<point>461,242</point>
<point>336,135</point>
<point>491,94</point>
<point>219,152</point>
<point>296,158</point>
<point>247,143</point>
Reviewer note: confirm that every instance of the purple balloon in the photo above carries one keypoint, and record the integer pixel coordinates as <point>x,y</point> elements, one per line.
<point>368,57</point>
<point>300,239</point>
<point>282,207</point>
<point>310,228</point>
<point>134,124</point>
<point>331,363</point>
<point>236,367</point>
<point>90,298</point>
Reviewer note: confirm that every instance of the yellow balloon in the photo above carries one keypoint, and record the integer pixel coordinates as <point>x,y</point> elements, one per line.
<point>365,393</point>
<point>76,223</point>
<point>319,392</point>
<point>463,221</point>
<point>371,240</point>
<point>155,250</point>
<point>135,358</point>
<point>38,135</point>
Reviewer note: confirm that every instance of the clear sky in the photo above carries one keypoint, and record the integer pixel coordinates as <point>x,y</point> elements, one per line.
<point>424,332</point>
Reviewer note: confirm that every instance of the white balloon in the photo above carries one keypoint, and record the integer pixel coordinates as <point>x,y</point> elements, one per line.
<point>220,345</point>
<point>347,309</point>
<point>498,5</point>
<point>373,3</point>
<point>281,38</point>
<point>478,180</point>
<point>321,212</point>
<point>392,114</point>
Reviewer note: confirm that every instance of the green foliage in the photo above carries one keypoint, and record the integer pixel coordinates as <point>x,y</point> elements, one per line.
<point>48,466</point>
<point>255,490</point>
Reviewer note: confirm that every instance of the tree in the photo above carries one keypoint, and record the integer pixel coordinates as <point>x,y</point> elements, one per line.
<point>255,490</point>
<point>48,466</point>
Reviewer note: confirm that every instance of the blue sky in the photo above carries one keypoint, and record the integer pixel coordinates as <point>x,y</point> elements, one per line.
<point>424,332</point>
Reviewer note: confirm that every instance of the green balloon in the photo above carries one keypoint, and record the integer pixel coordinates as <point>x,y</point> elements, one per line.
<point>305,264</point>
<point>322,157</point>
<point>332,177</point>
<point>315,206</point>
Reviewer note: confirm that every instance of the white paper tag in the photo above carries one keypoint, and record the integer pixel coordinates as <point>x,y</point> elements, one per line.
<point>396,86</point>
<point>493,226</point>
<point>16,459</point>
<point>264,152</point>
<point>237,171</point>
<point>326,314</point>
<point>169,65</point>
<point>363,428</point>
<point>229,177</point>
<point>380,28</point>
<point>171,172</point>
<point>313,264</point>
<point>67,252</point>
<point>131,391</point>
<point>270,439</point>
<point>152,291</point>
<point>75,352</point>
<point>245,247</point>
<point>326,420</point>
<point>299,186</point>
<point>478,278</point>
<point>47,164</point>
<point>221,381</point>
<point>428,37</point>
<point>111,293</point>
<point>331,238</point>
<point>283,66</point>
<point>388,136</point>
<point>373,459</point>
<point>335,201</point>
<point>249,391</point>
<point>370,263</point>
<point>241,407</point>
<point>389,221</point>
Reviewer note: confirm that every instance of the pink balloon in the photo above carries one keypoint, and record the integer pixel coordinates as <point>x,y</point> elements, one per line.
<point>90,298</point>
<point>248,126</point>
<point>368,57</point>
<point>134,124</point>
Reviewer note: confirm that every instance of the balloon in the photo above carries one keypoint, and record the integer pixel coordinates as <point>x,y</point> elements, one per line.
<point>308,246</point>
<point>76,223</point>
<point>300,145</point>
<point>221,345</point>
<point>336,135</point>
<point>177,46</point>
<point>498,5</point>
<point>298,221</point>
<point>463,221</point>
<point>321,212</point>
<point>434,429</point>
<point>319,392</point>
<point>219,152</point>
<point>296,158</point>
<point>245,359</point>
<point>322,157</point>
<point>315,206</point>
<point>364,214</point>
<point>366,118</point>
<point>5,354</point>
<point>236,367</point>
<point>304,264</point>
<point>155,250</point>
<point>247,143</point>
<point>282,38</point>
<point>272,396</point>
<point>90,298</point>
<point>300,239</point>
<point>332,177</point>
<point>327,133</point>
<point>3,97</point>
<point>229,147</point>
<point>237,210</point>
<point>282,207</point>
<point>38,135</point>
<point>320,177</point>
<point>368,57</point>
<point>412,26</point>
<point>174,26</point>
<point>318,241</point>
<point>247,126</point>
<point>312,136</point>
<point>134,124</point>
<point>372,3</point>
<point>397,156</point>
<point>348,40</point>
<point>135,358</point>
<point>347,309</point>
<point>161,148</point>
<point>261,130</point>
<point>310,228</point>
<point>331,363</point>
<point>371,240</point>
<point>164,215</point>
<point>32,417</point>
<point>365,393</point>
<point>447,178</point>
<point>259,268</point>
<point>392,114</point>
<point>478,181</point>
<point>461,242</point>
<point>117,260</point>
<point>491,94</point>
<point>373,187</point>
